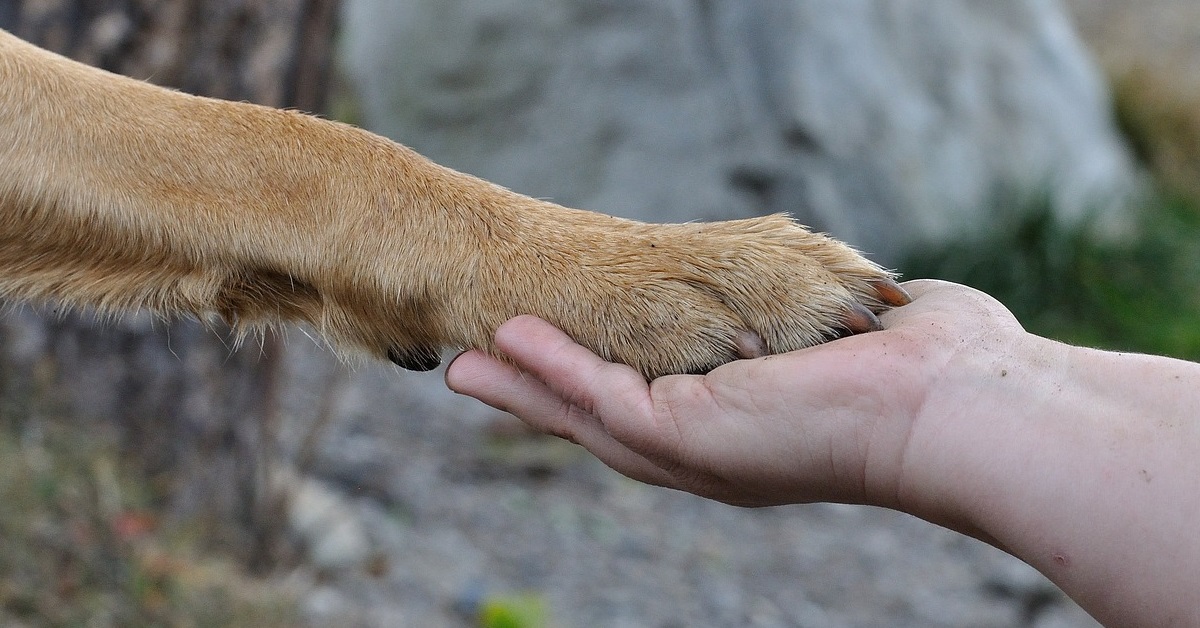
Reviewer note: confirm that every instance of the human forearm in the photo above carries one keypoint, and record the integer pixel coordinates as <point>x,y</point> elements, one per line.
<point>1082,463</point>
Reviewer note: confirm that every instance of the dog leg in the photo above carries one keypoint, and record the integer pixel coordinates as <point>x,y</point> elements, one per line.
<point>120,195</point>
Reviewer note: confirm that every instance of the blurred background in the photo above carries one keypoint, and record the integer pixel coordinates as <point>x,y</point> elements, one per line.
<point>153,473</point>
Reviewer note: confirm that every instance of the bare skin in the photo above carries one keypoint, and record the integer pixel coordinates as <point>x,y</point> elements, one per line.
<point>1082,463</point>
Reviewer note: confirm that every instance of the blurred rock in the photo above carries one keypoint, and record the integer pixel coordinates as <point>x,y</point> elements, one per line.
<point>889,124</point>
<point>324,520</point>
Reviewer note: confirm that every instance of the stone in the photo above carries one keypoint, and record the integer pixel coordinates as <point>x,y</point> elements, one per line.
<point>893,125</point>
<point>324,521</point>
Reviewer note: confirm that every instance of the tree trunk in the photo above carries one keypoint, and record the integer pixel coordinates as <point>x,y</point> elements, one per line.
<point>195,412</point>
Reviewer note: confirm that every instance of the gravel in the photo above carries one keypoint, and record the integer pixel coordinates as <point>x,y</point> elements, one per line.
<point>460,505</point>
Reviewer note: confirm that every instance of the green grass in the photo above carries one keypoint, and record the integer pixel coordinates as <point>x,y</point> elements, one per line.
<point>1139,293</point>
<point>526,610</point>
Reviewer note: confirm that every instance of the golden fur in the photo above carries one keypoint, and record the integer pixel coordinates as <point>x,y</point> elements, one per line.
<point>120,195</point>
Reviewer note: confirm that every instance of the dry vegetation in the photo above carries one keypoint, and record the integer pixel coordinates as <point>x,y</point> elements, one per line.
<point>1161,119</point>
<point>1151,53</point>
<point>84,545</point>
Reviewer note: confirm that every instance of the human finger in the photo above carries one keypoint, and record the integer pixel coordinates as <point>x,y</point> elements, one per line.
<point>614,393</point>
<point>505,387</point>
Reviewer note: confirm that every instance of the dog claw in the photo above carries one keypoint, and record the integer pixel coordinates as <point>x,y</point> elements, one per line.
<point>860,320</point>
<point>422,359</point>
<point>891,293</point>
<point>749,345</point>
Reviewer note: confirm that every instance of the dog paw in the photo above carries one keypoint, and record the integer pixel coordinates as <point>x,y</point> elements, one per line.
<point>687,298</point>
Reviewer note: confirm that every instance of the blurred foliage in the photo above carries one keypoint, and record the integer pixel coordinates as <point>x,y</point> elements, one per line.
<point>83,548</point>
<point>1161,121</point>
<point>1139,293</point>
<point>515,611</point>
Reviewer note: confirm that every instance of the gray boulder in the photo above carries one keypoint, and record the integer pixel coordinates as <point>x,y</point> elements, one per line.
<point>892,124</point>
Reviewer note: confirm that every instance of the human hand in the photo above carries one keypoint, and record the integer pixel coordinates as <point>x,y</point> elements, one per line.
<point>1080,462</point>
<point>829,423</point>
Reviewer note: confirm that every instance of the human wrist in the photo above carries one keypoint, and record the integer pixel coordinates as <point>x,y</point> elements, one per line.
<point>969,441</point>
